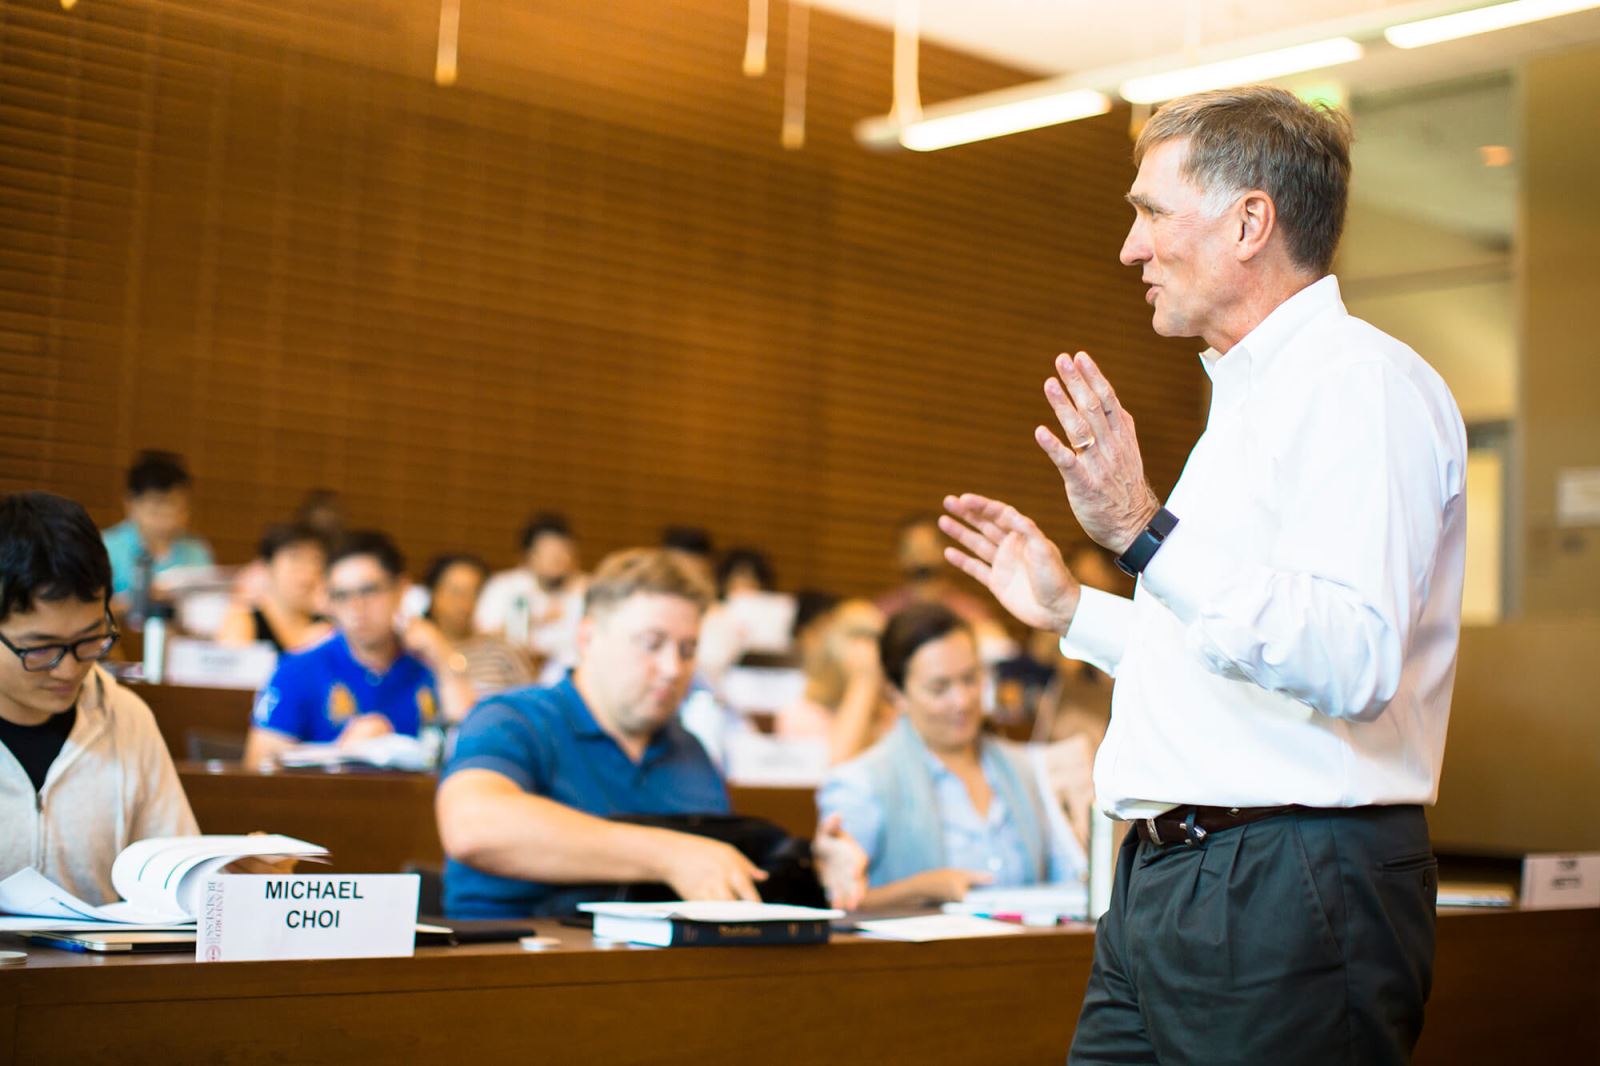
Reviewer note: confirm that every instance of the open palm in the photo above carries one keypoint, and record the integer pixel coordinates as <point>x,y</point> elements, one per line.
<point>1009,554</point>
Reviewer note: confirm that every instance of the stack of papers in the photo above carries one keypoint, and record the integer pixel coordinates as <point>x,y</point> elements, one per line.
<point>160,879</point>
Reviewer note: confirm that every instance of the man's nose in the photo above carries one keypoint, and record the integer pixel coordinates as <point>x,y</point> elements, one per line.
<point>1134,246</point>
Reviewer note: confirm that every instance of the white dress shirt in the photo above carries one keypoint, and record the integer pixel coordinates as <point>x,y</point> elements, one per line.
<point>1294,639</point>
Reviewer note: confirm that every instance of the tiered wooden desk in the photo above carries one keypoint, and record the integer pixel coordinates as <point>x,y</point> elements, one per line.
<point>1517,987</point>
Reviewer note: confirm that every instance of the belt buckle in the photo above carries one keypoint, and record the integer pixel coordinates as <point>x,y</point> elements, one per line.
<point>1193,835</point>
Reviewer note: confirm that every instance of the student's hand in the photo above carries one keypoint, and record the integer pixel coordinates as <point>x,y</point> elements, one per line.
<point>841,864</point>
<point>364,727</point>
<point>947,885</point>
<point>701,868</point>
<point>1013,559</point>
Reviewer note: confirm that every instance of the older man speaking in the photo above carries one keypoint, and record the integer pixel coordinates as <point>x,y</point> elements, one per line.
<point>1283,671</point>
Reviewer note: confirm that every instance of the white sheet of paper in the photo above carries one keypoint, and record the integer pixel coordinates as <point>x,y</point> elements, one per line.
<point>921,930</point>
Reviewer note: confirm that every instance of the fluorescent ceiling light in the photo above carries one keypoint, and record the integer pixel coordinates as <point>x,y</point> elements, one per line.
<point>1261,66</point>
<point>1480,20</point>
<point>929,134</point>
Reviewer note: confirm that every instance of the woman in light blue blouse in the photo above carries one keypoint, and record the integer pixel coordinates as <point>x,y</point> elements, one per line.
<point>939,806</point>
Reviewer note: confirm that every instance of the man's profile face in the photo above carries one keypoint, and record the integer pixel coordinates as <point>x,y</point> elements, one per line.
<point>637,659</point>
<point>364,599</point>
<point>31,697</point>
<point>1186,257</point>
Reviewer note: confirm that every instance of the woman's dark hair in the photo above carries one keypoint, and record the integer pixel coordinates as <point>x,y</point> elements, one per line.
<point>442,563</point>
<point>49,550</point>
<point>373,543</point>
<point>910,629</point>
<point>283,535</point>
<point>752,559</point>
<point>155,471</point>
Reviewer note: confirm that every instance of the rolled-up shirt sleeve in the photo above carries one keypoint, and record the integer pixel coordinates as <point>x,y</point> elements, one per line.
<point>1326,614</point>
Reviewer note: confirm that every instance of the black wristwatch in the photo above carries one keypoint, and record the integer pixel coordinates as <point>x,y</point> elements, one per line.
<point>1133,561</point>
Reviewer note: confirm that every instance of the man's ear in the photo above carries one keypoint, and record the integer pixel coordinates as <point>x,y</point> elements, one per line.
<point>585,635</point>
<point>1257,218</point>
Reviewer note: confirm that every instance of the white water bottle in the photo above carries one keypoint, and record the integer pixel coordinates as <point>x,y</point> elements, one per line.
<point>157,617</point>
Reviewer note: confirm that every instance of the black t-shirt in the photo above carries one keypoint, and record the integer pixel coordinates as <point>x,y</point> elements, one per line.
<point>36,746</point>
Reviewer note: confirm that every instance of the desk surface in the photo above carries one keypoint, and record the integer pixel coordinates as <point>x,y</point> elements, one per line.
<point>1510,987</point>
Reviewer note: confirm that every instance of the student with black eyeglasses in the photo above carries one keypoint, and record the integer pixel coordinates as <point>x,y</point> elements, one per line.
<point>83,769</point>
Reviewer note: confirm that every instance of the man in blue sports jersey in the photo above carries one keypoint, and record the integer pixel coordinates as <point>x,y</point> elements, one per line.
<point>367,679</point>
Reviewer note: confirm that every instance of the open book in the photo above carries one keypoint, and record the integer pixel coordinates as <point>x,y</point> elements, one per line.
<point>161,881</point>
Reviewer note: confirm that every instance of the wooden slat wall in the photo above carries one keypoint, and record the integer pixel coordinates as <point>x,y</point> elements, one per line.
<point>586,277</point>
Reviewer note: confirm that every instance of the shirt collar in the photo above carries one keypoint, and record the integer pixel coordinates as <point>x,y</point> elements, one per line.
<point>1258,351</point>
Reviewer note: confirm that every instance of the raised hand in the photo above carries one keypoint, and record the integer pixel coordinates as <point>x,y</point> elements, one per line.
<point>1100,464</point>
<point>1008,553</point>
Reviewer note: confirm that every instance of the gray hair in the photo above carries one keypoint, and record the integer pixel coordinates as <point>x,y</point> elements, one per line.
<point>1260,137</point>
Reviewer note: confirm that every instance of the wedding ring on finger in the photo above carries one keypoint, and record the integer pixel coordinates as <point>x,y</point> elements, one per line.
<point>1085,446</point>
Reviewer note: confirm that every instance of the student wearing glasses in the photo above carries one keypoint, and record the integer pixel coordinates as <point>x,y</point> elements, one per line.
<point>369,678</point>
<point>83,769</point>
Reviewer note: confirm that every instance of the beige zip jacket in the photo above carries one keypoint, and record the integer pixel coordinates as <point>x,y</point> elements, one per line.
<point>112,784</point>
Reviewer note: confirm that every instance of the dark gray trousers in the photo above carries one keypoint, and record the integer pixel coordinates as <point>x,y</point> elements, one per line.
<point>1305,938</point>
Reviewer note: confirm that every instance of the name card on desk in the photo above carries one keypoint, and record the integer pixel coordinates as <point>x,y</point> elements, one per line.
<point>209,665</point>
<point>1560,882</point>
<point>248,917</point>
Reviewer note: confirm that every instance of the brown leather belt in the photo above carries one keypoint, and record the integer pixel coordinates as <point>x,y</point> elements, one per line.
<point>1191,825</point>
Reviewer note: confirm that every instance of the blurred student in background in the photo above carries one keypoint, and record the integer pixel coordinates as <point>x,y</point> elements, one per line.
<point>493,664</point>
<point>843,700</point>
<point>364,681</point>
<point>537,605</point>
<point>285,607</point>
<point>154,537</point>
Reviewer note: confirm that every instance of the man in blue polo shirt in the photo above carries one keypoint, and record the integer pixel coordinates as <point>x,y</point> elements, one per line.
<point>536,773</point>
<point>361,682</point>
